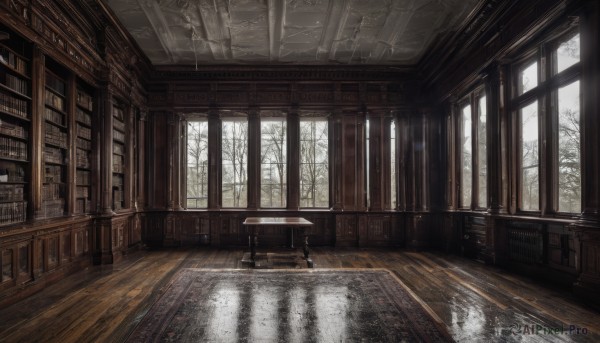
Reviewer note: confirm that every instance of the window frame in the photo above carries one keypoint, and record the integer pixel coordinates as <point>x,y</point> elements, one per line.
<point>471,99</point>
<point>546,94</point>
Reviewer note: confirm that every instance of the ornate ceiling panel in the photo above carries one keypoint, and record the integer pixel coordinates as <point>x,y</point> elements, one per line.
<point>388,32</point>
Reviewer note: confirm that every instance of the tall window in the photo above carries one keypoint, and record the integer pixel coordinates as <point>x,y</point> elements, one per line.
<point>234,150</point>
<point>482,151</point>
<point>393,171</point>
<point>273,159</point>
<point>530,160</point>
<point>569,152</point>
<point>569,134</point>
<point>467,157</point>
<point>314,163</point>
<point>558,96</point>
<point>473,151</point>
<point>197,164</point>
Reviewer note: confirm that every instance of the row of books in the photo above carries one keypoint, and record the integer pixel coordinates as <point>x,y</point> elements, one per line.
<point>14,106</point>
<point>83,117</point>
<point>15,173</point>
<point>11,129</point>
<point>117,199</point>
<point>13,212</point>
<point>12,193</point>
<point>15,83</point>
<point>118,149</point>
<point>54,117</point>
<point>55,101</point>
<point>53,208</point>
<point>84,132</point>
<point>117,181</point>
<point>17,63</point>
<point>118,113</point>
<point>82,205</point>
<point>82,192</point>
<point>119,125</point>
<point>55,84</point>
<point>118,136</point>
<point>13,149</point>
<point>82,159</point>
<point>83,178</point>
<point>52,191</point>
<point>54,135</point>
<point>53,174</point>
<point>53,155</point>
<point>84,144</point>
<point>84,100</point>
<point>118,162</point>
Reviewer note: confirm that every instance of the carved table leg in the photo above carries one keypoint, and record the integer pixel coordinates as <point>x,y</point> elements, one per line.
<point>309,262</point>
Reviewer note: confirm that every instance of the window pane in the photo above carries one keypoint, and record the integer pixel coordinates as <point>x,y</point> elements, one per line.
<point>197,164</point>
<point>569,149</point>
<point>482,152</point>
<point>314,164</point>
<point>273,162</point>
<point>393,171</point>
<point>467,160</point>
<point>530,184</point>
<point>528,78</point>
<point>234,150</point>
<point>567,54</point>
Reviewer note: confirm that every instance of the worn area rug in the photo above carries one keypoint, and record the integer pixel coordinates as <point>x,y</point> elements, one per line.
<point>367,305</point>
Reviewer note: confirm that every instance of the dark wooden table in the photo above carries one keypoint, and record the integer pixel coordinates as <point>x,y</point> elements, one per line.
<point>292,222</point>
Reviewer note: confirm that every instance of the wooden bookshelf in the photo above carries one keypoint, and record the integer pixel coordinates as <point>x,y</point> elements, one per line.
<point>15,126</point>
<point>119,157</point>
<point>55,128</point>
<point>83,132</point>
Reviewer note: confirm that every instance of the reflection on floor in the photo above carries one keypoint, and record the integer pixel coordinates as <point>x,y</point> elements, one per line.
<point>474,301</point>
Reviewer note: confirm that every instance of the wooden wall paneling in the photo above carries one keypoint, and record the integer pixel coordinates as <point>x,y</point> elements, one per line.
<point>174,169</point>
<point>336,159</point>
<point>214,160</point>
<point>172,236</point>
<point>293,161</point>
<point>153,229</point>
<point>402,152</point>
<point>349,167</point>
<point>346,230</point>
<point>254,164</point>
<point>376,142</point>
<point>159,162</point>
<point>232,232</point>
<point>215,229</point>
<point>380,231</point>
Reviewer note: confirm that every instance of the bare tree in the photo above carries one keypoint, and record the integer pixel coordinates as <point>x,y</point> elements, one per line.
<point>197,148</point>
<point>569,161</point>
<point>314,173</point>
<point>235,158</point>
<point>273,146</point>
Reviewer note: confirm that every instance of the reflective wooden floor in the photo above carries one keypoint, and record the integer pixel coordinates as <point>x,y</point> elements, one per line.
<point>476,302</point>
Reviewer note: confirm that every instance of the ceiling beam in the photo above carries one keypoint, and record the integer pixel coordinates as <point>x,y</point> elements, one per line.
<point>337,14</point>
<point>216,24</point>
<point>277,11</point>
<point>395,24</point>
<point>159,24</point>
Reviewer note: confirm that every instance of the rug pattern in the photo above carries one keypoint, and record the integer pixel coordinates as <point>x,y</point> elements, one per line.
<point>287,306</point>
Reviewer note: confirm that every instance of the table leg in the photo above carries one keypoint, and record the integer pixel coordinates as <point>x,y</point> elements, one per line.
<point>309,262</point>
